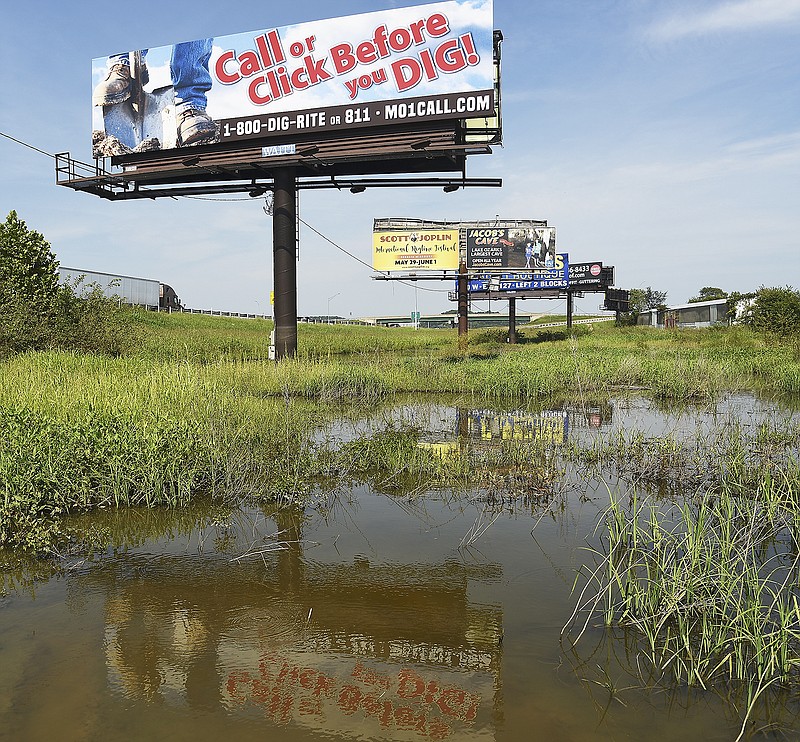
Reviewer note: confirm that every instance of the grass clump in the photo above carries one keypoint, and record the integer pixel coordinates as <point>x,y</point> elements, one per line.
<point>706,589</point>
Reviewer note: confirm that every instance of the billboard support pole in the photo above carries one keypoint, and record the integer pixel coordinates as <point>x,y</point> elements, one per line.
<point>463,317</point>
<point>569,310</point>
<point>284,261</point>
<point>512,321</point>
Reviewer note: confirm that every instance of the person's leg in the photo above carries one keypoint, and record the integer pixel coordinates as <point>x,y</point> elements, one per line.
<point>116,88</point>
<point>191,80</point>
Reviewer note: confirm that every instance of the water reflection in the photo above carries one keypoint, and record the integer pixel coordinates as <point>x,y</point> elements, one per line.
<point>361,617</point>
<point>360,649</point>
<point>548,425</point>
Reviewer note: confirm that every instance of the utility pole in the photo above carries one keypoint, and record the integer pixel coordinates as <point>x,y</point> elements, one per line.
<point>463,306</point>
<point>284,255</point>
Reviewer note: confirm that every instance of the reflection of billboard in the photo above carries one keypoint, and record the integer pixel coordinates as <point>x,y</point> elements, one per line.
<point>394,651</point>
<point>529,248</point>
<point>489,425</point>
<point>403,65</point>
<point>356,698</point>
<point>415,250</point>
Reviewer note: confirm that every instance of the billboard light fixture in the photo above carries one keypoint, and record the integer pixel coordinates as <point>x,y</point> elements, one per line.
<point>308,151</point>
<point>450,187</point>
<point>189,161</point>
<point>257,191</point>
<point>422,144</point>
<point>358,189</point>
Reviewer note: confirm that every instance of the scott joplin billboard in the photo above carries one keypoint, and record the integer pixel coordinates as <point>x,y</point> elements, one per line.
<point>419,63</point>
<point>415,250</point>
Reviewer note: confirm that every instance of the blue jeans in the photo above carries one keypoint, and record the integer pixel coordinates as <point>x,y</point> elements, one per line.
<point>190,76</point>
<point>188,66</point>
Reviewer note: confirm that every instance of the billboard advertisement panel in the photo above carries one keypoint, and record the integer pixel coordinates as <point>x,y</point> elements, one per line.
<point>556,277</point>
<point>586,274</point>
<point>503,247</point>
<point>415,250</point>
<point>419,63</point>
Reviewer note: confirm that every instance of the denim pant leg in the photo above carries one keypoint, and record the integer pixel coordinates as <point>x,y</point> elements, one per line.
<point>190,76</point>
<point>114,58</point>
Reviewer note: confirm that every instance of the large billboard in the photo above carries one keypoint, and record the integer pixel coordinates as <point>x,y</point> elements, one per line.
<point>415,250</point>
<point>539,279</point>
<point>419,63</point>
<point>493,248</point>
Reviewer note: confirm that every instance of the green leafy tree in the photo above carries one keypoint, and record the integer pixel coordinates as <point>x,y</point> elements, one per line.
<point>28,267</point>
<point>37,312</point>
<point>28,286</point>
<point>640,301</point>
<point>708,293</point>
<point>775,310</point>
<point>649,298</point>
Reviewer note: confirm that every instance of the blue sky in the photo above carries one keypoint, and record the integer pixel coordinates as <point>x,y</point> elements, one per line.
<point>661,137</point>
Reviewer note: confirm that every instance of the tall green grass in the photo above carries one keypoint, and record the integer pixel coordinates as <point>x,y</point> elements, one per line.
<point>672,365</point>
<point>82,432</point>
<point>198,407</point>
<point>706,583</point>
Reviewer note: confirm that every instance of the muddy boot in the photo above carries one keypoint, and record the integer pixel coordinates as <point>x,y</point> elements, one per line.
<point>196,127</point>
<point>116,88</point>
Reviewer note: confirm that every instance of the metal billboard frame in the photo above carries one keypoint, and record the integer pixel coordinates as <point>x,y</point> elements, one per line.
<point>284,166</point>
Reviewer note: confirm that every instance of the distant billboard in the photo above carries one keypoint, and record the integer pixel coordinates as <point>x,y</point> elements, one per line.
<point>492,248</point>
<point>585,274</point>
<point>540,279</point>
<point>415,250</point>
<point>617,300</point>
<point>420,63</point>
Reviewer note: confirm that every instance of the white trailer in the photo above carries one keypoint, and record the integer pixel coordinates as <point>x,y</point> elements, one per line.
<point>138,291</point>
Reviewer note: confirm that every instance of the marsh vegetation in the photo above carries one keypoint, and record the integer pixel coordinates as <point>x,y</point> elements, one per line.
<point>694,561</point>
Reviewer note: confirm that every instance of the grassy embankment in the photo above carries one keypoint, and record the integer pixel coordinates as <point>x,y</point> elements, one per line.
<point>199,409</point>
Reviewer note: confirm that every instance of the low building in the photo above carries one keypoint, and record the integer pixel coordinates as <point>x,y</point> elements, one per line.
<point>697,314</point>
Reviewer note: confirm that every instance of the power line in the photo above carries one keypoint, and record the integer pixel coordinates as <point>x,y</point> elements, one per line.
<point>25,144</point>
<point>233,200</point>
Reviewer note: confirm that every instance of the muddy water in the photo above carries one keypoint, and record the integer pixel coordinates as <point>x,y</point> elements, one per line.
<point>361,616</point>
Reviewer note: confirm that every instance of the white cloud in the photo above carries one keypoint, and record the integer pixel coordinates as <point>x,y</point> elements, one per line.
<point>742,15</point>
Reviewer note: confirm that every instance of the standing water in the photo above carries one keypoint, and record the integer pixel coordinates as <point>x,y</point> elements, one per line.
<point>367,614</point>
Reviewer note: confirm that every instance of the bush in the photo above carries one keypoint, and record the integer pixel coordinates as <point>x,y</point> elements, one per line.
<point>37,313</point>
<point>775,310</point>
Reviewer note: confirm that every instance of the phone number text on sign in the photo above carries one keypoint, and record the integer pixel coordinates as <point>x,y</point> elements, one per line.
<point>371,114</point>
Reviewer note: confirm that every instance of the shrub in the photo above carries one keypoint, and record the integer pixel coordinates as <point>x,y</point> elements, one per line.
<point>775,310</point>
<point>38,313</point>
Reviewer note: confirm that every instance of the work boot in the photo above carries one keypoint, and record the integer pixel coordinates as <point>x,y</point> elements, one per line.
<point>116,88</point>
<point>196,127</point>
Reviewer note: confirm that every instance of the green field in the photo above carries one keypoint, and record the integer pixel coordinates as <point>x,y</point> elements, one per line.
<point>198,409</point>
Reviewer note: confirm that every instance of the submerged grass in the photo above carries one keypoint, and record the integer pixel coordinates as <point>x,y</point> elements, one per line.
<point>705,586</point>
